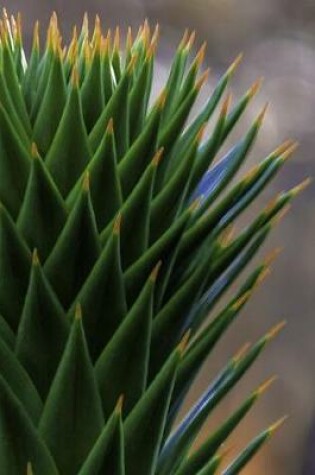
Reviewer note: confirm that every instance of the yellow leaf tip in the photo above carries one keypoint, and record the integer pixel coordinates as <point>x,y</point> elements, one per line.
<point>283,147</point>
<point>272,256</point>
<point>202,80</point>
<point>154,274</point>
<point>184,342</point>
<point>266,385</point>
<point>184,39</point>
<point>156,35</point>
<point>110,126</point>
<point>161,99</point>
<point>281,214</point>
<point>200,56</point>
<point>158,157</point>
<point>227,235</point>
<point>29,469</point>
<point>241,353</point>
<point>237,61</point>
<point>120,404</point>
<point>301,187</point>
<point>275,330</point>
<point>117,39</point>
<point>201,133</point>
<point>85,22</point>
<point>226,105</point>
<point>117,224</point>
<point>288,152</point>
<point>263,276</point>
<point>36,35</point>
<point>255,87</point>
<point>241,301</point>
<point>190,41</point>
<point>86,182</point>
<point>34,150</point>
<point>195,205</point>
<point>78,312</point>
<point>261,115</point>
<point>277,425</point>
<point>75,79</point>
<point>35,258</point>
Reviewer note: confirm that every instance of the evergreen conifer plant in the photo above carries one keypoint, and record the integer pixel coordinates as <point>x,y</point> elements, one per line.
<point>115,246</point>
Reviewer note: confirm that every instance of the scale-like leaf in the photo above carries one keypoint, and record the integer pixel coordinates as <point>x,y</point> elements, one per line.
<point>171,320</point>
<point>20,439</point>
<point>136,160</point>
<point>92,88</point>
<point>122,368</point>
<point>104,310</point>
<point>168,135</point>
<point>14,165</point>
<point>14,270</point>
<point>177,73</point>
<point>70,152</point>
<point>108,83</point>
<point>38,228</point>
<point>30,79</point>
<point>51,107</point>
<point>6,333</point>
<point>104,181</point>
<point>144,426</point>
<point>72,418</point>
<point>135,214</point>
<point>12,82</point>
<point>75,251</point>
<point>8,105</point>
<point>136,274</point>
<point>138,96</point>
<point>43,331</point>
<point>114,109</point>
<point>107,455</point>
<point>168,204</point>
<point>20,382</point>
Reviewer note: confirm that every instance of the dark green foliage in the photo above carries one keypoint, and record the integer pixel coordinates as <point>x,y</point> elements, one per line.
<point>117,195</point>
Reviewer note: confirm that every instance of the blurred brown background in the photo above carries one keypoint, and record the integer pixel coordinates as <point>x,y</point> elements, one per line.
<point>278,41</point>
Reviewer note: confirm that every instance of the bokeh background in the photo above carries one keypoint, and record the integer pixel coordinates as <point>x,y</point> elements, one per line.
<point>278,41</point>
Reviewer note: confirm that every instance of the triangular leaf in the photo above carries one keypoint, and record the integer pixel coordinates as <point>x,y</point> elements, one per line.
<point>144,426</point>
<point>20,383</point>
<point>122,367</point>
<point>92,88</point>
<point>20,441</point>
<point>107,455</point>
<point>69,153</point>
<point>42,332</point>
<point>39,228</point>
<point>135,214</point>
<point>14,165</point>
<point>14,270</point>
<point>72,418</point>
<point>51,107</point>
<point>136,275</point>
<point>105,186</point>
<point>104,309</point>
<point>135,161</point>
<point>76,250</point>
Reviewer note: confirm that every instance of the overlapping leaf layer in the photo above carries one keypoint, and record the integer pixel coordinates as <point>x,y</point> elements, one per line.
<point>115,246</point>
